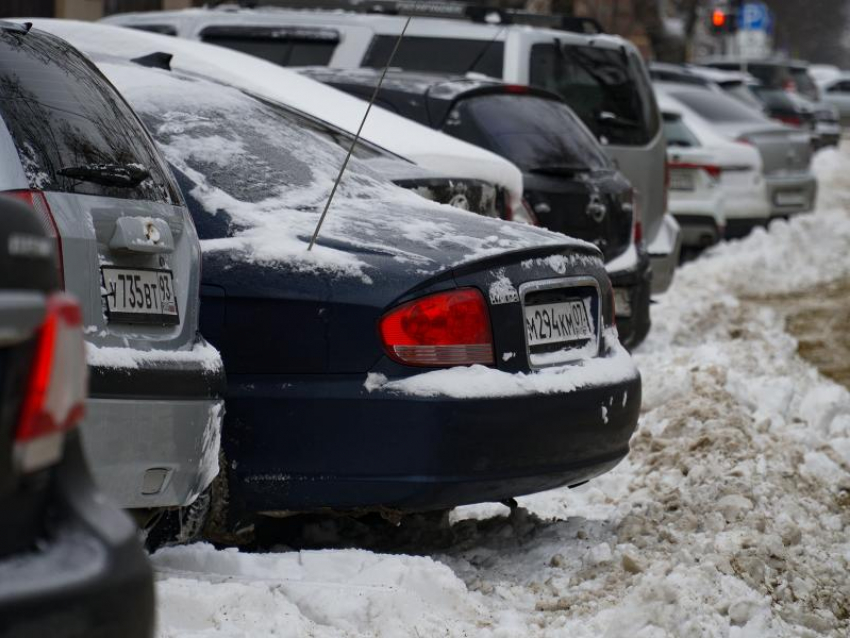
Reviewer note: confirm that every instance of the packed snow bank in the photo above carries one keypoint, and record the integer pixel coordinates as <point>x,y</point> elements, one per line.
<point>729,519</point>
<point>201,354</point>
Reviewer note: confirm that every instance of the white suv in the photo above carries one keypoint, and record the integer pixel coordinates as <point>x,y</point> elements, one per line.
<point>602,77</point>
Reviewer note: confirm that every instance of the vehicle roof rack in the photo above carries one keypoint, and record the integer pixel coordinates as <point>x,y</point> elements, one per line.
<point>452,9</point>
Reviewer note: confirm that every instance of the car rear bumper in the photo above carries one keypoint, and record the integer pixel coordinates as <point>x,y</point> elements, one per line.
<point>699,231</point>
<point>664,253</point>
<point>302,443</point>
<point>791,194</point>
<point>88,577</point>
<point>632,281</point>
<point>741,227</point>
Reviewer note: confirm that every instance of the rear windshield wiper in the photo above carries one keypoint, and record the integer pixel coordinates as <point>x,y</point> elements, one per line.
<point>560,169</point>
<point>612,119</point>
<point>118,175</point>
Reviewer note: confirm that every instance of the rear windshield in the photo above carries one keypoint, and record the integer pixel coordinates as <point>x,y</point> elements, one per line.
<point>285,46</point>
<point>805,84</point>
<point>717,107</point>
<point>742,93</point>
<point>71,129</point>
<point>439,55</point>
<point>534,133</point>
<point>677,132</point>
<point>607,89</point>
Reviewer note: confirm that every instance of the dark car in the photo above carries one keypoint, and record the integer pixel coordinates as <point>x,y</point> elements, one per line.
<point>419,357</point>
<point>570,184</point>
<point>70,564</point>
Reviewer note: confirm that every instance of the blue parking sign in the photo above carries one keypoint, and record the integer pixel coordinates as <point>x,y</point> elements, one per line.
<point>755,16</point>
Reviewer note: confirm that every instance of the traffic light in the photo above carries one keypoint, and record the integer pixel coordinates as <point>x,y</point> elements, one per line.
<point>723,21</point>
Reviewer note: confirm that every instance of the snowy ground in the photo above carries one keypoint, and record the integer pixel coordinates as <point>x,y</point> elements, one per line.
<point>731,516</point>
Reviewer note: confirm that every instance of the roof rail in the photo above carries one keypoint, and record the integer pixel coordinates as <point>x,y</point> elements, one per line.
<point>453,9</point>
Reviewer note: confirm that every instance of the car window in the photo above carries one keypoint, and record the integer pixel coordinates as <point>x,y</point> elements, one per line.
<point>770,75</point>
<point>439,55</point>
<point>606,88</point>
<point>241,154</point>
<point>72,130</point>
<point>840,87</point>
<point>677,132</point>
<point>286,46</point>
<point>716,107</point>
<point>743,94</point>
<point>532,132</point>
<point>162,29</point>
<point>805,83</point>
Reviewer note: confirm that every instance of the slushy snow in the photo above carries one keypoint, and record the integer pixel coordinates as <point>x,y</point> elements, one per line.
<point>729,519</point>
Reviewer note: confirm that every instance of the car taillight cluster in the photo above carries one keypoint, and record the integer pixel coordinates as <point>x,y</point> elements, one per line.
<point>712,170</point>
<point>37,201</point>
<point>791,120</point>
<point>633,201</point>
<point>55,394</point>
<point>444,329</point>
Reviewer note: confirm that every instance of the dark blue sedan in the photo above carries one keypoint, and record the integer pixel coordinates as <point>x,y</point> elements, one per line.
<point>418,358</point>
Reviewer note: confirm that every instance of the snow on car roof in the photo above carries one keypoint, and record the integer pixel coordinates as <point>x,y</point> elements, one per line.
<point>431,149</point>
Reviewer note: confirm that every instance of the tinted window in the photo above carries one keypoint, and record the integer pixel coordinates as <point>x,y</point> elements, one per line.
<point>162,29</point>
<point>840,87</point>
<point>439,55</point>
<point>65,119</point>
<point>283,46</point>
<point>534,133</point>
<point>771,75</point>
<point>677,133</point>
<point>716,107</point>
<point>743,94</point>
<point>608,90</point>
<point>805,84</point>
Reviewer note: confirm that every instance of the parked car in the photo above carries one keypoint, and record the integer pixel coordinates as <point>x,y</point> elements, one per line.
<point>571,186</point>
<point>836,91</point>
<point>819,119</point>
<point>328,351</point>
<point>70,563</point>
<point>787,75</point>
<point>786,152</point>
<point>717,187</point>
<point>617,104</point>
<point>445,170</point>
<point>77,155</point>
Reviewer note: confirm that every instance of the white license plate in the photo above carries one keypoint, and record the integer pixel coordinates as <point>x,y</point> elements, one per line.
<point>140,296</point>
<point>790,198</point>
<point>682,180</point>
<point>563,322</point>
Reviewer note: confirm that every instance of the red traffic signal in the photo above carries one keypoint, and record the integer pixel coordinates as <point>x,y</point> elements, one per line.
<point>718,19</point>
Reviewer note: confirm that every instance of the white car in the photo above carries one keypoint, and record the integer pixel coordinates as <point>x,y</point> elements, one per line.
<point>717,187</point>
<point>442,155</point>
<point>835,90</point>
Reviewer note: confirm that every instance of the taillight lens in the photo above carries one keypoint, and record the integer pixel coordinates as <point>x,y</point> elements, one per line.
<point>637,224</point>
<point>444,329</point>
<point>37,201</point>
<point>55,395</point>
<point>713,170</point>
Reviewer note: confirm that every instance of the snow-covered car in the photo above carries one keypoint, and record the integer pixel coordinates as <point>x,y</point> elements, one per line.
<point>71,564</point>
<point>571,186</point>
<point>418,357</point>
<point>77,155</point>
<point>786,152</point>
<point>445,168</point>
<point>717,187</point>
<point>591,71</point>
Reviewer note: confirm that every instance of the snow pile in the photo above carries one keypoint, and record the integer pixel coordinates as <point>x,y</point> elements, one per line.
<point>730,518</point>
<point>201,354</point>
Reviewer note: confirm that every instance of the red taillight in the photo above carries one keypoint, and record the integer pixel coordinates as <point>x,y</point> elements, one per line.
<point>56,389</point>
<point>519,89</point>
<point>637,223</point>
<point>37,201</point>
<point>791,120</point>
<point>711,169</point>
<point>444,329</point>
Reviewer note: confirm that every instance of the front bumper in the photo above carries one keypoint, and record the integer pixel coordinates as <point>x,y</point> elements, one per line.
<point>664,251</point>
<point>302,443</point>
<point>631,277</point>
<point>791,194</point>
<point>151,435</point>
<point>88,577</point>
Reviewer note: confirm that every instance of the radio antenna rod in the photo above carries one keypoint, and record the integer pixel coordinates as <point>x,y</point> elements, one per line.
<point>357,136</point>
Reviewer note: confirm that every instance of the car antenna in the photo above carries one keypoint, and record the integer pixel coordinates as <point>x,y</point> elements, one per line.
<point>357,136</point>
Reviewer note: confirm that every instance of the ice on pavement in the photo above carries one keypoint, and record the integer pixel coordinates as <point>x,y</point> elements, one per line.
<point>730,518</point>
